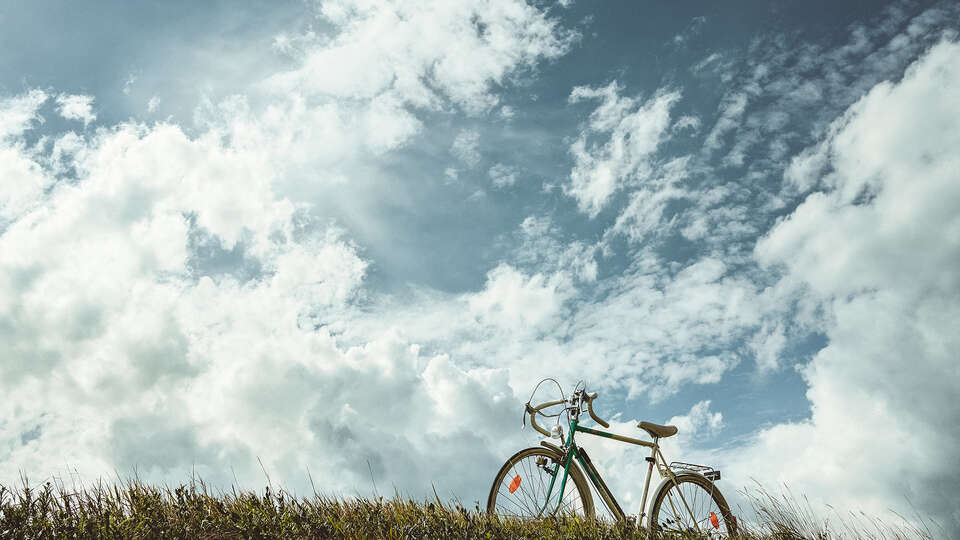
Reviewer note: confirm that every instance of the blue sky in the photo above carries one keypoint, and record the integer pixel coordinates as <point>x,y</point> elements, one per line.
<point>327,234</point>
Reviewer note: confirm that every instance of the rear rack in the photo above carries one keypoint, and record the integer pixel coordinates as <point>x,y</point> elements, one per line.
<point>708,472</point>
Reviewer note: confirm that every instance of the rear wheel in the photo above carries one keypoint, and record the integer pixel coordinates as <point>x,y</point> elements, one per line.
<point>708,512</point>
<point>520,488</point>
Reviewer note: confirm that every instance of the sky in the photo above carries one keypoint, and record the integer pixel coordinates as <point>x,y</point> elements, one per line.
<point>339,241</point>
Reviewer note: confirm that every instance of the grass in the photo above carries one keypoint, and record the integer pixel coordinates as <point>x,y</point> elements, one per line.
<point>784,516</point>
<point>135,510</point>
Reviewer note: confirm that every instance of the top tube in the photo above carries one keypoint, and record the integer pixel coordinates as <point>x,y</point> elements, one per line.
<point>614,436</point>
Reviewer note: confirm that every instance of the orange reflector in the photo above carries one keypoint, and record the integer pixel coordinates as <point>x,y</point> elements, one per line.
<point>515,484</point>
<point>714,521</point>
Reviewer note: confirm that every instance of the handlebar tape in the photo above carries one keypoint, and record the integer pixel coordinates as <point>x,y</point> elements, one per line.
<point>590,398</point>
<point>533,420</point>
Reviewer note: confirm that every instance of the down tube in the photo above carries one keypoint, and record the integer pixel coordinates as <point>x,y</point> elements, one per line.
<point>566,471</point>
<point>600,485</point>
<point>546,502</point>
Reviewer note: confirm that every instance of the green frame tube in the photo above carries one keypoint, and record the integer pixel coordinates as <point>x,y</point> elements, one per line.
<point>566,471</point>
<point>593,474</point>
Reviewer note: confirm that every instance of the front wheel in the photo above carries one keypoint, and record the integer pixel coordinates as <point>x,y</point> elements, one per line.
<point>520,488</point>
<point>693,505</point>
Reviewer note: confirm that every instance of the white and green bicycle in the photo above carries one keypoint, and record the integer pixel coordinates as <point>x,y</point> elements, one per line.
<point>534,482</point>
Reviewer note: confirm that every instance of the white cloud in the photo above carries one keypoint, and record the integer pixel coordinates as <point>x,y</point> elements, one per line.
<point>635,131</point>
<point>22,180</point>
<point>128,84</point>
<point>410,50</point>
<point>767,346</point>
<point>879,248</point>
<point>541,245</point>
<point>514,300</point>
<point>221,371</point>
<point>645,333</point>
<point>502,176</point>
<point>700,421</point>
<point>466,147</point>
<point>76,107</point>
<point>731,114</point>
<point>22,183</point>
<point>806,168</point>
<point>687,122</point>
<point>185,298</point>
<point>451,175</point>
<point>648,332</point>
<point>691,31</point>
<point>18,113</point>
<point>712,59</point>
<point>644,214</point>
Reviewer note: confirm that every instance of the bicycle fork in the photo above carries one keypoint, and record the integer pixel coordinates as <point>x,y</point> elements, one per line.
<point>568,458</point>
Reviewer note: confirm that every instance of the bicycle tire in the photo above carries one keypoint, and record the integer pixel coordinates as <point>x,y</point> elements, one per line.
<point>709,508</point>
<point>533,482</point>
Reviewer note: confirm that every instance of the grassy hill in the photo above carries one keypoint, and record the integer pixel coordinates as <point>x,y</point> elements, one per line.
<point>135,510</point>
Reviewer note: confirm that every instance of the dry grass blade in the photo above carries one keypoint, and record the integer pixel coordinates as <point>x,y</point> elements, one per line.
<point>132,509</point>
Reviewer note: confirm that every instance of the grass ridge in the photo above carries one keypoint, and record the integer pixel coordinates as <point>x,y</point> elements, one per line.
<point>134,510</point>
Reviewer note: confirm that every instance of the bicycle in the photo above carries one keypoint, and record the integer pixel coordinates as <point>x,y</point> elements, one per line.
<point>686,501</point>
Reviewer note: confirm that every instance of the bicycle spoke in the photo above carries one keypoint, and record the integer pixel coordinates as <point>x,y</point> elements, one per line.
<point>523,500</point>
<point>536,481</point>
<point>502,501</point>
<point>540,485</point>
<point>521,493</point>
<point>532,496</point>
<point>672,515</point>
<point>509,497</point>
<point>529,501</point>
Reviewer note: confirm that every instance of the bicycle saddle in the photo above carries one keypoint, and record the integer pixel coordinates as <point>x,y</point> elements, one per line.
<point>656,430</point>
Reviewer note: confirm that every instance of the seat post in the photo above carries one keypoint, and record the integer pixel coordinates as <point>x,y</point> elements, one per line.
<point>646,486</point>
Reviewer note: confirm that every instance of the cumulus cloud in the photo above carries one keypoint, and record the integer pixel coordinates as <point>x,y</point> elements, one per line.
<point>511,299</point>
<point>644,333</point>
<point>22,181</point>
<point>863,259</point>
<point>767,346</point>
<point>413,51</point>
<point>878,247</point>
<point>165,287</point>
<point>153,353</point>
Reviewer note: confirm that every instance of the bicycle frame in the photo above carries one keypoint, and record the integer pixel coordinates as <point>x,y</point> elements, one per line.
<point>575,452</point>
